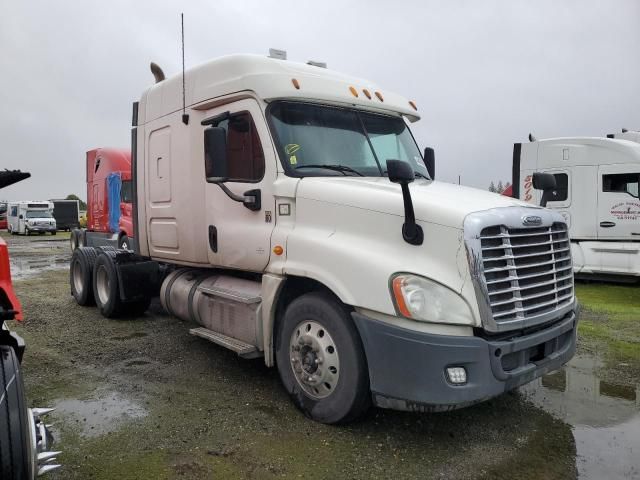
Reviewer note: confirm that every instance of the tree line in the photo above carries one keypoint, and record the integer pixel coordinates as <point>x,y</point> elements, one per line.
<point>500,187</point>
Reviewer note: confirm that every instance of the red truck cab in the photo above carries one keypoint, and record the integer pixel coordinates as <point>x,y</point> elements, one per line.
<point>109,193</point>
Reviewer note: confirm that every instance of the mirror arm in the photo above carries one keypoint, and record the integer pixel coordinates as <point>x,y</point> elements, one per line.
<point>251,199</point>
<point>411,231</point>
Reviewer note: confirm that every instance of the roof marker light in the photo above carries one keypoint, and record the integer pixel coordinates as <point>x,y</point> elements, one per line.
<point>353,91</point>
<point>379,95</point>
<point>413,105</point>
<point>295,83</point>
<point>367,93</point>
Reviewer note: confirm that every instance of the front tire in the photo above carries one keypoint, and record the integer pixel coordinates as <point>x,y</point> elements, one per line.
<point>81,275</point>
<point>14,433</point>
<point>321,360</point>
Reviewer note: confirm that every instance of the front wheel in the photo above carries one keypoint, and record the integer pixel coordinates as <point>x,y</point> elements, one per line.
<point>321,360</point>
<point>14,432</point>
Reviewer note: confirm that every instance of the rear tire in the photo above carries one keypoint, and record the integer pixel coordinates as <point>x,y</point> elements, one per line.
<point>321,360</point>
<point>54,232</point>
<point>81,275</point>
<point>14,432</point>
<point>105,285</point>
<point>73,240</point>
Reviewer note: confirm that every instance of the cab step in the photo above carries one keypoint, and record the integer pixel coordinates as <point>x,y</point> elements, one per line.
<point>244,350</point>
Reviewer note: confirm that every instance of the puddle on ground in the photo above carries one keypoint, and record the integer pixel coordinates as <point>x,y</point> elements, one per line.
<point>28,258</point>
<point>22,267</point>
<point>605,417</point>
<point>104,415</point>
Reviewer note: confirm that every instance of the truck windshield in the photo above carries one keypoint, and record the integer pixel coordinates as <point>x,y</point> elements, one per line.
<point>38,214</point>
<point>317,140</point>
<point>125,191</point>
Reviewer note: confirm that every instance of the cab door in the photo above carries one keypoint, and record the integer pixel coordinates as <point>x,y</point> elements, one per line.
<point>237,236</point>
<point>618,202</point>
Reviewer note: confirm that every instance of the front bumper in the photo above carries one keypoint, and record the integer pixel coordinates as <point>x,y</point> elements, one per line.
<point>407,368</point>
<point>41,228</point>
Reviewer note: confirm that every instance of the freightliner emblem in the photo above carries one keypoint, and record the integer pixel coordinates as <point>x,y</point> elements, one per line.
<point>531,220</point>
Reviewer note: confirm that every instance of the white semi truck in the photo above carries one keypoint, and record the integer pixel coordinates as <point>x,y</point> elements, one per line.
<point>287,210</point>
<point>597,195</point>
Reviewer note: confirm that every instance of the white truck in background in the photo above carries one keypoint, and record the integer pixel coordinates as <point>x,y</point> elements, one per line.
<point>287,210</point>
<point>597,195</point>
<point>27,217</point>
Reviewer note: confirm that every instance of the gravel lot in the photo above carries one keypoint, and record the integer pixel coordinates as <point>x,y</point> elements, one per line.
<point>140,398</point>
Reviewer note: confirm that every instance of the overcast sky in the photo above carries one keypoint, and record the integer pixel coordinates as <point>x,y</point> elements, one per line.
<point>483,73</point>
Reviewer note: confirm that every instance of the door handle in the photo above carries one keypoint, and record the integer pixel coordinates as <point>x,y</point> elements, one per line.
<point>607,224</point>
<point>213,238</point>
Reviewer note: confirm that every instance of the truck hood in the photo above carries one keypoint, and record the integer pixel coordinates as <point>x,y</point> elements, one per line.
<point>433,202</point>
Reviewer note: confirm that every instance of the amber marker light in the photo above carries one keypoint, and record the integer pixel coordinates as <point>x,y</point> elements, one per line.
<point>353,91</point>
<point>379,95</point>
<point>295,83</point>
<point>278,250</point>
<point>397,293</point>
<point>413,105</point>
<point>367,93</point>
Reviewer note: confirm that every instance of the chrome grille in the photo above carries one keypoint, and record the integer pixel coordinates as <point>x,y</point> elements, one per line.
<point>527,271</point>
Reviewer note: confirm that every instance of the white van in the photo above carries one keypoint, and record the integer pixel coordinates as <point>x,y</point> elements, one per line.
<point>28,217</point>
<point>597,194</point>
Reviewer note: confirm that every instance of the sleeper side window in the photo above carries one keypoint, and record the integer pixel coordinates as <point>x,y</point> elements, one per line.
<point>561,193</point>
<point>621,182</point>
<point>244,150</point>
<point>14,211</point>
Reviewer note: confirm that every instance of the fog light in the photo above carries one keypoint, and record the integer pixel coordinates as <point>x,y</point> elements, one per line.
<point>457,375</point>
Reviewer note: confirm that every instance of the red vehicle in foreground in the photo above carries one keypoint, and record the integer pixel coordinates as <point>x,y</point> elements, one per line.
<point>24,438</point>
<point>109,195</point>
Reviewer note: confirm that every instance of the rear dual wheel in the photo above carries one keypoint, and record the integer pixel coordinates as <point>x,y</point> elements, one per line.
<point>321,360</point>
<point>81,275</point>
<point>106,289</point>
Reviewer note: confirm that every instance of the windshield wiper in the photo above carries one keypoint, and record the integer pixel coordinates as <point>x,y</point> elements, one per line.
<point>338,168</point>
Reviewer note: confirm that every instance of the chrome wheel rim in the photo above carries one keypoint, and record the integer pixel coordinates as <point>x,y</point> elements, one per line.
<point>102,284</point>
<point>77,277</point>
<point>314,359</point>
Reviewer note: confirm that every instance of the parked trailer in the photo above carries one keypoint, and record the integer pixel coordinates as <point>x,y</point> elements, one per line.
<point>109,222</point>
<point>289,212</point>
<point>66,214</point>
<point>29,216</point>
<point>24,438</point>
<point>597,195</point>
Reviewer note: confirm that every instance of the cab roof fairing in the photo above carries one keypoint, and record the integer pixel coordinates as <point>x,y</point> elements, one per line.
<point>270,79</point>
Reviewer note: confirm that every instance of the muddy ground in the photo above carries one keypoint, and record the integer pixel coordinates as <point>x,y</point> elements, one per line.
<point>140,398</point>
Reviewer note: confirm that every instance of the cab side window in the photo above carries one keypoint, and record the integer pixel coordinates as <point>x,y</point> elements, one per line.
<point>244,150</point>
<point>621,182</point>
<point>14,211</point>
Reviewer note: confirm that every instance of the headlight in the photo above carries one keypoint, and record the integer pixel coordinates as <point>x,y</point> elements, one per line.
<point>421,299</point>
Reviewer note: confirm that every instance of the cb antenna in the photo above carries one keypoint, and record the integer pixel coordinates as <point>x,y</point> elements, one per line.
<point>185,115</point>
